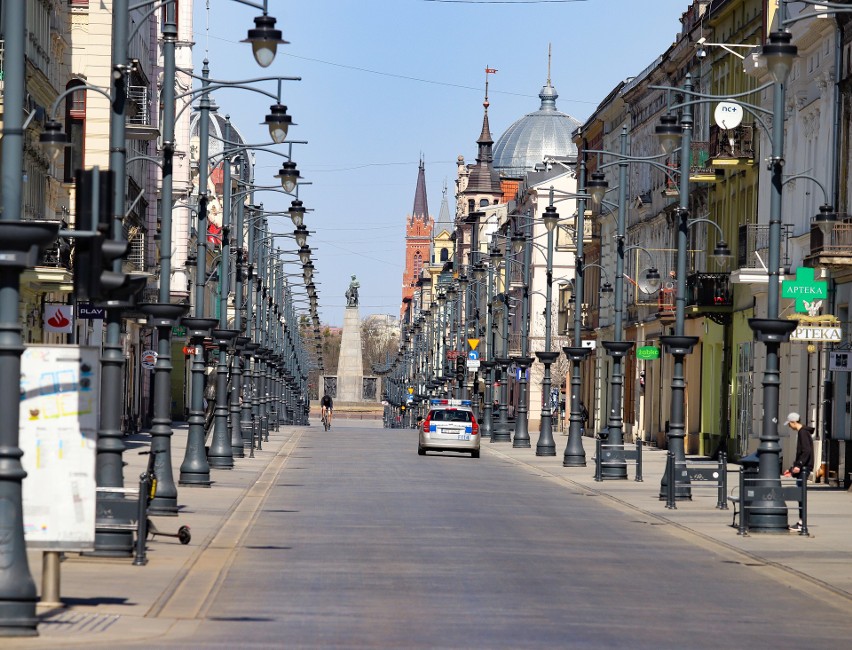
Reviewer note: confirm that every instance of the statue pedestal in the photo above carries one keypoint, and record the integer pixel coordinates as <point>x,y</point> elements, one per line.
<point>350,367</point>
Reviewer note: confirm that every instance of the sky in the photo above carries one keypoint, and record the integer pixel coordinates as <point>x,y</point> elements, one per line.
<point>385,83</point>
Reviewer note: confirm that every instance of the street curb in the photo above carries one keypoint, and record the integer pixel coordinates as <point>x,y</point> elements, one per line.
<point>190,593</point>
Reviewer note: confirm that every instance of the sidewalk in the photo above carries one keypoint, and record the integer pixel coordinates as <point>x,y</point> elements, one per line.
<point>824,559</point>
<point>109,601</point>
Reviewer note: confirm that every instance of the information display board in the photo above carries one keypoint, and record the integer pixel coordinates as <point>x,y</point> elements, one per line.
<point>58,435</point>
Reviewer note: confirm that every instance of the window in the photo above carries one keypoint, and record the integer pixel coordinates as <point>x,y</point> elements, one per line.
<point>75,126</point>
<point>445,254</point>
<point>483,203</point>
<point>418,264</point>
<point>471,205</point>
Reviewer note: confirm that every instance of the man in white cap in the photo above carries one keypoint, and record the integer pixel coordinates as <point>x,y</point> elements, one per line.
<point>804,461</point>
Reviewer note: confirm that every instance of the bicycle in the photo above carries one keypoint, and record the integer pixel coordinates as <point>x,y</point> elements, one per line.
<point>325,421</point>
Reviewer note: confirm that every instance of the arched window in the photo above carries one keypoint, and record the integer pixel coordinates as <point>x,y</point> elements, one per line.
<point>483,203</point>
<point>445,254</point>
<point>471,205</point>
<point>418,264</point>
<point>75,127</point>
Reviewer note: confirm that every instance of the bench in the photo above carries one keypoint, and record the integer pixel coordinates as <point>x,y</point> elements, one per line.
<point>697,474</point>
<point>616,455</point>
<point>755,493</point>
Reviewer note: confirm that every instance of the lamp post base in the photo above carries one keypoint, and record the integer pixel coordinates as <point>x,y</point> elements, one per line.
<point>575,454</point>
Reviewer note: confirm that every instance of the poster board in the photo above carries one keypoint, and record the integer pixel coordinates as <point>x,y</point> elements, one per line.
<point>59,413</point>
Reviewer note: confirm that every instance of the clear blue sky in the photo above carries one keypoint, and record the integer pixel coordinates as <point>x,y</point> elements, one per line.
<point>386,81</point>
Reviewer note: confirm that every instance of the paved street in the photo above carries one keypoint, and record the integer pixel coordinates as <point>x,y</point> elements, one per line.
<point>348,539</point>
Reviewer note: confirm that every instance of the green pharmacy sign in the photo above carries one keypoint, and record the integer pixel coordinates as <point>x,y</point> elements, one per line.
<point>805,290</point>
<point>648,352</point>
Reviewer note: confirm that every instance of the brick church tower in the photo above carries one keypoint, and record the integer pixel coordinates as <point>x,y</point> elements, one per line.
<point>418,237</point>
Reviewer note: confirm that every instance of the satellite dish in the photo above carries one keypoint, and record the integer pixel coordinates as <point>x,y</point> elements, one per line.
<point>649,280</point>
<point>728,115</point>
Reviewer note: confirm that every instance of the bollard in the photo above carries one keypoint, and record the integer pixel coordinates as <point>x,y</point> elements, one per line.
<point>670,488</point>
<point>722,501</point>
<point>743,510</point>
<point>638,460</point>
<point>598,451</point>
<point>142,523</point>
<point>50,579</point>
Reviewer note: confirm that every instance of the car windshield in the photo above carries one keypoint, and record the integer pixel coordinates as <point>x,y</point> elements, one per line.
<point>451,415</point>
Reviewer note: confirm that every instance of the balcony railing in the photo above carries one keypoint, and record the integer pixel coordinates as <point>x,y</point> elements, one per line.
<point>753,246</point>
<point>57,256</point>
<point>733,144</point>
<point>836,243</point>
<point>709,290</point>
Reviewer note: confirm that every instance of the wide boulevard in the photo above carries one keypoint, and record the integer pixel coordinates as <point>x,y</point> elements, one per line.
<point>361,543</point>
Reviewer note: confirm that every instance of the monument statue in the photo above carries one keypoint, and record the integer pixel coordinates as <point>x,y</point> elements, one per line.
<point>352,293</point>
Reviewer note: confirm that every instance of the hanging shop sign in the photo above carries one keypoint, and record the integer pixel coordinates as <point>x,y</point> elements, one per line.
<point>149,359</point>
<point>648,352</point>
<point>88,311</point>
<point>59,319</point>
<point>824,328</point>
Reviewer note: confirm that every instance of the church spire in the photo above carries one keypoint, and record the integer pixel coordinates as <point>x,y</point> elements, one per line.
<point>421,207</point>
<point>485,141</point>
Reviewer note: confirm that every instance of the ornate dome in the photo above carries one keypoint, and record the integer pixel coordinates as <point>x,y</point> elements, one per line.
<point>546,132</point>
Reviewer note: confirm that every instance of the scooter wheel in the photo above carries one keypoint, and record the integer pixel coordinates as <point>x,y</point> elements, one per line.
<point>184,535</point>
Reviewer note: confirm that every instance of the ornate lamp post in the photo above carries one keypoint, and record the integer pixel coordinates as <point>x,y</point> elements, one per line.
<point>21,242</point>
<point>546,446</point>
<point>679,345</point>
<point>521,243</point>
<point>771,515</point>
<point>575,454</point>
<point>501,431</point>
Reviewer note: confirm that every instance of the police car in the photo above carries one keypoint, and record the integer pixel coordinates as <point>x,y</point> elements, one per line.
<point>449,426</point>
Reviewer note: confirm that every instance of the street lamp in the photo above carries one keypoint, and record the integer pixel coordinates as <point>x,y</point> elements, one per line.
<point>575,454</point>
<point>679,345</point>
<point>20,243</point>
<point>771,515</point>
<point>522,245</point>
<point>500,431</point>
<point>264,38</point>
<point>546,446</point>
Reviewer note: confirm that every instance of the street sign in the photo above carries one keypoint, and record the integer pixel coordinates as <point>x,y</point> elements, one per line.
<point>518,374</point>
<point>473,343</point>
<point>840,361</point>
<point>648,352</point>
<point>473,364</point>
<point>591,344</point>
<point>410,390</point>
<point>178,330</point>
<point>473,355</point>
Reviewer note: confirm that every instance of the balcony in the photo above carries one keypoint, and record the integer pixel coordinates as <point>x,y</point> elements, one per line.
<point>700,169</point>
<point>139,125</point>
<point>709,290</point>
<point>833,248</point>
<point>731,147</point>
<point>753,252</point>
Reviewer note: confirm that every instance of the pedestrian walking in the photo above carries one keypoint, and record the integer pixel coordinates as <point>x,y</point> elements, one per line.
<point>584,413</point>
<point>804,462</point>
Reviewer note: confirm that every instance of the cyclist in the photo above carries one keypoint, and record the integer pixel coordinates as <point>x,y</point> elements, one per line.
<point>327,407</point>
